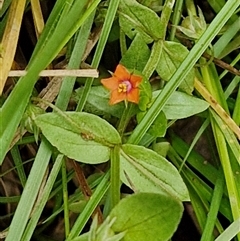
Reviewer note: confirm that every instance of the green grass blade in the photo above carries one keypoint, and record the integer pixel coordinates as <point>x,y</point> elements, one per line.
<point>229,136</point>
<point>44,198</point>
<point>214,208</point>
<point>176,18</point>
<point>199,186</point>
<point>230,232</point>
<point>236,111</point>
<point>194,159</point>
<point>65,199</point>
<point>226,38</point>
<point>194,141</point>
<point>228,172</point>
<point>48,28</point>
<point>74,62</point>
<point>29,194</point>
<point>19,164</point>
<point>115,176</point>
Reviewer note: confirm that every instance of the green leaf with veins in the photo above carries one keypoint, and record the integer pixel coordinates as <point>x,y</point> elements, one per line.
<point>172,56</point>
<point>181,105</point>
<point>81,136</point>
<point>137,55</point>
<point>135,18</point>
<point>144,170</point>
<point>147,216</point>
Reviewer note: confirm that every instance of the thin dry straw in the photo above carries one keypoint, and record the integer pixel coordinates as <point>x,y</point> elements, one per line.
<point>59,72</point>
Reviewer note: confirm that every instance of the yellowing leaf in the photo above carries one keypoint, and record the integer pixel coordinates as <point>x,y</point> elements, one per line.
<point>10,39</point>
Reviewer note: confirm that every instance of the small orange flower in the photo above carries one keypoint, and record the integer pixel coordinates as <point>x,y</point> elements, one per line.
<point>123,86</point>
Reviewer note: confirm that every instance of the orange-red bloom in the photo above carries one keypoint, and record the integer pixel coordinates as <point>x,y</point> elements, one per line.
<point>123,86</point>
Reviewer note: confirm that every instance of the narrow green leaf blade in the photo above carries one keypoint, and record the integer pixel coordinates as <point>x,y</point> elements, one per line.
<point>230,232</point>
<point>30,192</point>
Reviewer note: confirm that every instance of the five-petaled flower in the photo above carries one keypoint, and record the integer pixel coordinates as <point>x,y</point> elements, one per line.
<point>123,86</point>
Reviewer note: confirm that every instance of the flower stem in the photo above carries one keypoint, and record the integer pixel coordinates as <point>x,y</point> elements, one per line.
<point>124,120</point>
<point>115,157</point>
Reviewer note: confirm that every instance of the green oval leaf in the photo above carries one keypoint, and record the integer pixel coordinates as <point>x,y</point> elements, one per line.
<point>144,170</point>
<point>137,54</point>
<point>181,105</point>
<point>80,136</point>
<point>98,102</point>
<point>172,56</point>
<point>135,18</point>
<point>147,216</point>
<point>159,126</point>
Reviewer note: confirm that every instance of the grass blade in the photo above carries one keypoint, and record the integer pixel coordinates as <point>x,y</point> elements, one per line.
<point>29,194</point>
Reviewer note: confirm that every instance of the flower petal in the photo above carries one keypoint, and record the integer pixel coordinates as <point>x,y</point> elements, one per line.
<point>110,83</point>
<point>133,96</point>
<point>117,97</point>
<point>121,76</point>
<point>135,80</point>
<point>122,73</point>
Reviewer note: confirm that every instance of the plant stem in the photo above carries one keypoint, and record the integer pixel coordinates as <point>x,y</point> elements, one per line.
<point>165,16</point>
<point>153,59</point>
<point>65,199</point>
<point>90,207</point>
<point>176,18</point>
<point>115,176</point>
<point>191,7</point>
<point>123,44</point>
<point>124,120</point>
